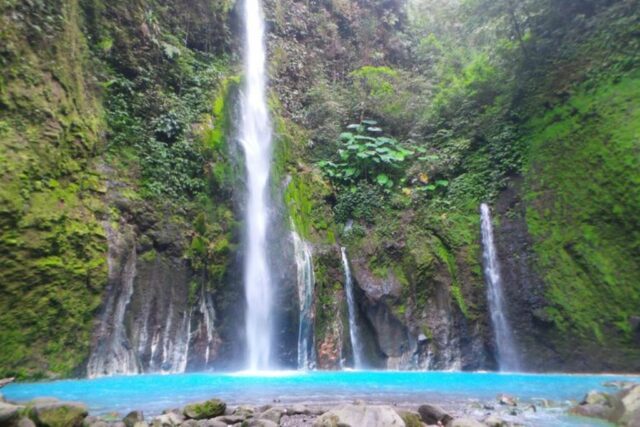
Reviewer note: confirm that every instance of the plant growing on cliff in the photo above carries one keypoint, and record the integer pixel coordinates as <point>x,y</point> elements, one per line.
<point>364,156</point>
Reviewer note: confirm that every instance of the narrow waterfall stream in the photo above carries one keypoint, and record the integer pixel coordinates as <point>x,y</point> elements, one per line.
<point>508,359</point>
<point>354,334</point>
<point>255,138</point>
<point>306,283</point>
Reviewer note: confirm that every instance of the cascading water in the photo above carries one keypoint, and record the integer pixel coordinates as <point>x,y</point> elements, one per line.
<point>255,138</point>
<point>351,306</point>
<point>508,359</point>
<point>306,283</point>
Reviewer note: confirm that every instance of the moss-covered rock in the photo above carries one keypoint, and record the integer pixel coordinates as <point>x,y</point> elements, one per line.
<point>58,414</point>
<point>203,410</point>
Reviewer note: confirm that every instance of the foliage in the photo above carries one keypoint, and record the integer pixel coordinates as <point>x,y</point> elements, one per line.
<point>583,179</point>
<point>367,157</point>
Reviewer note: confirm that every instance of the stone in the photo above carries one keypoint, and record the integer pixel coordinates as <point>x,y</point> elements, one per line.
<point>203,410</point>
<point>25,422</point>
<point>99,423</point>
<point>170,419</point>
<point>600,405</point>
<point>631,402</point>
<point>495,421</point>
<point>132,418</point>
<point>433,414</point>
<point>260,423</point>
<point>465,422</point>
<point>8,413</point>
<point>272,414</point>
<point>411,419</point>
<point>245,411</point>
<point>89,420</point>
<point>360,415</point>
<point>505,399</point>
<point>595,398</point>
<point>211,423</point>
<point>54,413</point>
<point>141,424</point>
<point>230,419</point>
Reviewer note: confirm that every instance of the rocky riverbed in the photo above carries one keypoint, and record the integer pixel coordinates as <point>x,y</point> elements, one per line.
<point>621,407</point>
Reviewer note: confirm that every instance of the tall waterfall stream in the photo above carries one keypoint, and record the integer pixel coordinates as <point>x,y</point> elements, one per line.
<point>508,359</point>
<point>255,138</point>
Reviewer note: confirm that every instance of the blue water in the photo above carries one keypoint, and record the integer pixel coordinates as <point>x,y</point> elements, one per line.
<point>154,393</point>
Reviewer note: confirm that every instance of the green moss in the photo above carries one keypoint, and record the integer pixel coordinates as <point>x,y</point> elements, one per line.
<point>449,259</point>
<point>583,198</point>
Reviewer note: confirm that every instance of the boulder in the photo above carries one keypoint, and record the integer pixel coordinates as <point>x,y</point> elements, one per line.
<point>259,423</point>
<point>411,419</point>
<point>494,421</point>
<point>230,419</point>
<point>203,410</point>
<point>170,419</point>
<point>465,422</point>
<point>54,413</point>
<point>631,401</point>
<point>132,418</point>
<point>595,398</point>
<point>8,413</point>
<point>244,411</point>
<point>433,414</point>
<point>505,399</point>
<point>272,414</point>
<point>360,415</point>
<point>25,422</point>
<point>211,423</point>
<point>600,405</point>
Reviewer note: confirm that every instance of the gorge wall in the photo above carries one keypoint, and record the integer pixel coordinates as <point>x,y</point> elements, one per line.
<point>121,183</point>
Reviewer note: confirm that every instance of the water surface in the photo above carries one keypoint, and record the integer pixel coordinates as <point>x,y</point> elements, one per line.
<point>154,393</point>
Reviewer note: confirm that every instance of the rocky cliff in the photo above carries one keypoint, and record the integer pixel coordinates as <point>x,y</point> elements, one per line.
<point>122,186</point>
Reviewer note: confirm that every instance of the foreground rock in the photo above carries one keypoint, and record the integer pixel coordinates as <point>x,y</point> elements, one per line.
<point>204,410</point>
<point>54,413</point>
<point>622,408</point>
<point>433,414</point>
<point>360,415</point>
<point>9,413</point>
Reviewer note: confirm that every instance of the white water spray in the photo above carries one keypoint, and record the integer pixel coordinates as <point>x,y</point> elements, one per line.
<point>508,359</point>
<point>351,306</point>
<point>255,137</point>
<point>306,283</point>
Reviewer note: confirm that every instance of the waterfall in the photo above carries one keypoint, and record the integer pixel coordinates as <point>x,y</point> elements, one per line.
<point>507,354</point>
<point>351,305</point>
<point>306,283</point>
<point>255,138</point>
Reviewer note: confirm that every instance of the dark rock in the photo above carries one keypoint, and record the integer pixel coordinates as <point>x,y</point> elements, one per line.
<point>207,409</point>
<point>132,418</point>
<point>432,414</point>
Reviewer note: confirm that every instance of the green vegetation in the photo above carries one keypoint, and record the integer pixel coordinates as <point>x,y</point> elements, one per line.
<point>583,196</point>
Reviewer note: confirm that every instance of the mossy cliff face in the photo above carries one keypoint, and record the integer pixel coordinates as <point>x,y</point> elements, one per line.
<point>52,245</point>
<point>574,274</point>
<point>107,122</point>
